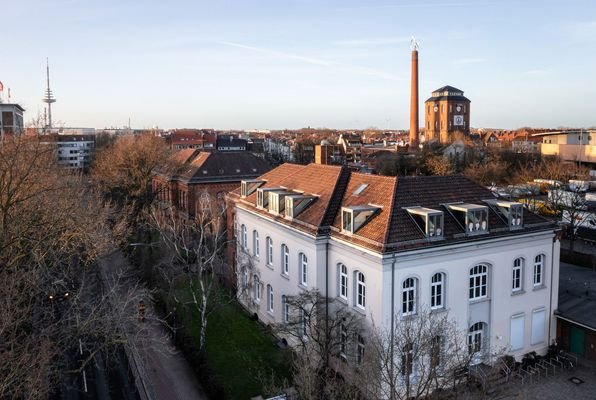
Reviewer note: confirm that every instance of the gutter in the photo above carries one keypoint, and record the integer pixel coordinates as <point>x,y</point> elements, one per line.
<point>391,372</point>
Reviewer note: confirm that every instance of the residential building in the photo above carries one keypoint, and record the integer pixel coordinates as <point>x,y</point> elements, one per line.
<point>390,247</point>
<point>204,179</point>
<point>190,139</point>
<point>574,145</point>
<point>231,143</point>
<point>11,119</point>
<point>447,111</point>
<point>75,147</point>
<point>351,145</point>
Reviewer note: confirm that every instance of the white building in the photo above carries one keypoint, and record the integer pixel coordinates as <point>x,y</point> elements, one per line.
<point>578,145</point>
<point>75,147</point>
<point>389,247</point>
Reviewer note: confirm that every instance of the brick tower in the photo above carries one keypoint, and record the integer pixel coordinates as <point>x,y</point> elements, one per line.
<point>414,97</point>
<point>447,111</point>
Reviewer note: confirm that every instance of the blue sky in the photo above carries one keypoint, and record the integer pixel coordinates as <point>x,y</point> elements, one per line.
<point>295,63</point>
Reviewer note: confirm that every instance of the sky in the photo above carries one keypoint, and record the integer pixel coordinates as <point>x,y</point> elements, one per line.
<point>275,64</point>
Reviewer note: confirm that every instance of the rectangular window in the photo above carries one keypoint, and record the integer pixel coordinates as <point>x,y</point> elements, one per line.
<point>516,284</point>
<point>343,340</point>
<point>516,339</point>
<point>343,281</point>
<point>407,360</point>
<point>360,349</point>
<point>436,291</point>
<point>303,270</point>
<point>538,326</point>
<point>435,351</point>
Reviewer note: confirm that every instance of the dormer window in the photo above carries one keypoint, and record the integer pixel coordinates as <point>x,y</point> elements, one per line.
<point>473,217</point>
<point>511,210</point>
<point>276,202</point>
<point>263,196</point>
<point>429,220</point>
<point>296,203</point>
<point>354,217</point>
<point>247,187</point>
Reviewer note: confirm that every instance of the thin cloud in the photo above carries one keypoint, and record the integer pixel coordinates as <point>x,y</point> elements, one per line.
<point>580,31</point>
<point>372,41</point>
<point>468,61</point>
<point>316,61</point>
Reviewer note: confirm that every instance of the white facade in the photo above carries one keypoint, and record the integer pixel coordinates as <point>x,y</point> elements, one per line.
<point>515,314</point>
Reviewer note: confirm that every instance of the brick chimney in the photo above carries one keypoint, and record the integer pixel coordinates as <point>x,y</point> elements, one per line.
<point>414,100</point>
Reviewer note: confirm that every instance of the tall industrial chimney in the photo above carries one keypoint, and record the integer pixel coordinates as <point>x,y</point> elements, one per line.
<point>414,97</point>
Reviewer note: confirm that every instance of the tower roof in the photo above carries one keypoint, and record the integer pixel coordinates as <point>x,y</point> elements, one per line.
<point>448,93</point>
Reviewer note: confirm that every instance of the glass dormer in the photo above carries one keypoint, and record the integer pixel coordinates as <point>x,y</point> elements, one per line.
<point>263,196</point>
<point>429,220</point>
<point>296,203</point>
<point>511,211</point>
<point>473,217</point>
<point>248,186</point>
<point>354,217</point>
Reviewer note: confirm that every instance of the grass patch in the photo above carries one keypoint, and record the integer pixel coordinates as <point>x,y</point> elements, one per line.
<point>241,356</point>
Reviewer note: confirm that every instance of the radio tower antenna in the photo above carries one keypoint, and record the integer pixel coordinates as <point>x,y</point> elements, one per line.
<point>48,97</point>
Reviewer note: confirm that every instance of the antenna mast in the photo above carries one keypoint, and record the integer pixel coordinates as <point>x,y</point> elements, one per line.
<point>48,95</point>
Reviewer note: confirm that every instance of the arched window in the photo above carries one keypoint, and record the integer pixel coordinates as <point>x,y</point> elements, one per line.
<point>269,251</point>
<point>538,269</point>
<point>303,261</point>
<point>343,281</point>
<point>516,283</point>
<point>244,237</point>
<point>475,338</point>
<point>478,282</point>
<point>408,299</point>
<point>360,290</point>
<point>255,243</point>
<point>285,259</point>
<point>437,291</point>
<point>269,298</point>
<point>256,288</point>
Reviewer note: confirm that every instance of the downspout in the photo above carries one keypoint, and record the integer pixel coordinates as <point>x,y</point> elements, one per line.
<point>327,298</point>
<point>552,268</point>
<point>392,325</point>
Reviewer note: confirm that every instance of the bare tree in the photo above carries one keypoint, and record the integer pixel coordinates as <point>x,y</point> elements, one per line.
<point>324,335</point>
<point>196,255</point>
<point>419,356</point>
<point>53,228</point>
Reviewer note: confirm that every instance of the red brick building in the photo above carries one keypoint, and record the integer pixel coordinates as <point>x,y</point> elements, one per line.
<point>446,111</point>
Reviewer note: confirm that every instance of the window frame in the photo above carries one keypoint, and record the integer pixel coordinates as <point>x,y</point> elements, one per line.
<point>538,271</point>
<point>517,274</point>
<point>269,299</point>
<point>360,290</point>
<point>434,285</point>
<point>343,281</point>
<point>256,289</point>
<point>408,296</point>
<point>477,283</point>
<point>269,250</point>
<point>244,233</point>
<point>303,270</point>
<point>255,243</point>
<point>285,259</point>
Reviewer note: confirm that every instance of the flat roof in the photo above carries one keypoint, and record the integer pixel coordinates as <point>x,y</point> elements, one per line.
<point>572,132</point>
<point>577,295</point>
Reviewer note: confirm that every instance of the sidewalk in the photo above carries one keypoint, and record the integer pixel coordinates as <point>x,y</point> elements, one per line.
<point>163,370</point>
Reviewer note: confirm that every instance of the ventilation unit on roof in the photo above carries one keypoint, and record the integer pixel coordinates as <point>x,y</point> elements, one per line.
<point>472,216</point>
<point>296,203</point>
<point>354,217</point>
<point>248,186</point>
<point>511,210</point>
<point>429,220</point>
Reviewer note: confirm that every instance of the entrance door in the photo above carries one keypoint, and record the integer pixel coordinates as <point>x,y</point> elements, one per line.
<point>476,342</point>
<point>577,340</point>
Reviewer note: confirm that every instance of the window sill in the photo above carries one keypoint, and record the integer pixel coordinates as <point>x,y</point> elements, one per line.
<point>480,300</point>
<point>538,287</point>
<point>438,310</point>
<point>342,300</point>
<point>270,314</point>
<point>270,266</point>
<point>360,310</point>
<point>285,276</point>
<point>302,286</point>
<point>518,292</point>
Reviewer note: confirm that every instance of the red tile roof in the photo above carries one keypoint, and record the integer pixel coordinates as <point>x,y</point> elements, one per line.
<point>391,228</point>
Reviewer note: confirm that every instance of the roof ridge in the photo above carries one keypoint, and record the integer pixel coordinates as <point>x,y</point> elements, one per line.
<point>391,211</point>
<point>339,189</point>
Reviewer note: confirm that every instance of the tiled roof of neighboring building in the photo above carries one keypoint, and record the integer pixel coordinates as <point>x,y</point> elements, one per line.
<point>391,228</point>
<point>227,166</point>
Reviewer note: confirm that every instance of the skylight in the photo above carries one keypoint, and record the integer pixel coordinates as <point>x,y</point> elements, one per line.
<point>360,188</point>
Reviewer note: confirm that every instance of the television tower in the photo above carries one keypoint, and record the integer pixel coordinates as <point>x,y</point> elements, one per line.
<point>48,96</point>
<point>414,97</point>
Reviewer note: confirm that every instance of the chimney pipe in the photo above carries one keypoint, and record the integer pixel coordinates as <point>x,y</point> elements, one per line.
<point>414,99</point>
